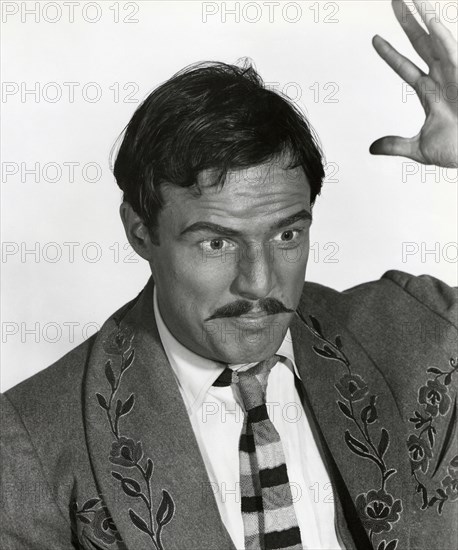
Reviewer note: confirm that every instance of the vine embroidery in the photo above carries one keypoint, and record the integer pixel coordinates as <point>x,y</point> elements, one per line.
<point>377,508</point>
<point>435,399</point>
<point>125,452</point>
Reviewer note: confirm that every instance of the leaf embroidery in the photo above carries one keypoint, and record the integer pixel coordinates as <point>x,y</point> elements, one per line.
<point>127,453</point>
<point>377,508</point>
<point>434,397</point>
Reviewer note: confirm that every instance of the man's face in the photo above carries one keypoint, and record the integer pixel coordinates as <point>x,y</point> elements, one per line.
<point>230,263</point>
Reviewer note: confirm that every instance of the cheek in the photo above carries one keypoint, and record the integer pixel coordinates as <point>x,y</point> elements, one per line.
<point>203,280</point>
<point>291,264</point>
<point>291,274</point>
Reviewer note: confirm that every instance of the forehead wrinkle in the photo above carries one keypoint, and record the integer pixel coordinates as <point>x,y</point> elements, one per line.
<point>258,194</point>
<point>244,214</point>
<point>245,193</point>
<point>260,188</point>
<point>259,175</point>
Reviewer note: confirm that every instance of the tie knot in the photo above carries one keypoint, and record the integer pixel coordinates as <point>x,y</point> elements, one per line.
<point>251,382</point>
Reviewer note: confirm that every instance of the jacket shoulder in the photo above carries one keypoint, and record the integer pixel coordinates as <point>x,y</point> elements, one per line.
<point>50,402</point>
<point>56,382</point>
<point>394,293</point>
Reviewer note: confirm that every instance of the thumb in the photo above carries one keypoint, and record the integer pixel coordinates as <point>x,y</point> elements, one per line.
<point>396,146</point>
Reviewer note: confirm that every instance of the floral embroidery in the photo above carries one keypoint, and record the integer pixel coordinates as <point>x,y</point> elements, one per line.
<point>127,453</point>
<point>434,395</point>
<point>435,399</point>
<point>352,387</point>
<point>450,482</point>
<point>377,509</point>
<point>104,527</point>
<point>94,514</point>
<point>419,452</point>
<point>119,341</point>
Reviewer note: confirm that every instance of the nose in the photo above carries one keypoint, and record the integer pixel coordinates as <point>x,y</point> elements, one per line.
<point>254,274</point>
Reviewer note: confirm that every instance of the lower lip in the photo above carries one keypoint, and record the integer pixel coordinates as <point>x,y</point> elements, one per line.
<point>250,321</point>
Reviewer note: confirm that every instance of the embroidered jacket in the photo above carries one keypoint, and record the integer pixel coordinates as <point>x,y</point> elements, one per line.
<point>98,451</point>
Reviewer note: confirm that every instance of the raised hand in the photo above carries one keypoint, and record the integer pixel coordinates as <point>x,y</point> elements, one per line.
<point>437,141</point>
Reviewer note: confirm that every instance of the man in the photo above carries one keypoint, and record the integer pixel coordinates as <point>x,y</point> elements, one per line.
<point>180,433</point>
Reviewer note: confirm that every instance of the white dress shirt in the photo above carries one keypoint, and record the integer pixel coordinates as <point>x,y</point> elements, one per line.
<point>216,415</point>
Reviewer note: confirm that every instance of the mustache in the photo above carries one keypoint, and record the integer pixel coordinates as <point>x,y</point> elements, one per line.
<point>270,306</point>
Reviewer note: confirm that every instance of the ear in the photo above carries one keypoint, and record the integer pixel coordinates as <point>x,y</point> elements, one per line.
<point>136,231</point>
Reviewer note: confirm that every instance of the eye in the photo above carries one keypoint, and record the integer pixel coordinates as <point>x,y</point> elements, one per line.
<point>216,244</point>
<point>287,235</point>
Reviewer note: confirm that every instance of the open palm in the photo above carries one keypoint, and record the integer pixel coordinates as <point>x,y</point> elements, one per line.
<point>437,141</point>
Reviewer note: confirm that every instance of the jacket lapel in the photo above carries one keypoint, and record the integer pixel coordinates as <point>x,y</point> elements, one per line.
<point>356,419</point>
<point>143,451</point>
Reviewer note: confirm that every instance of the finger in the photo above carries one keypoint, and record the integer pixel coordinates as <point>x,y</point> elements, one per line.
<point>417,35</point>
<point>397,146</point>
<point>399,63</point>
<point>426,11</point>
<point>445,40</point>
<point>436,27</point>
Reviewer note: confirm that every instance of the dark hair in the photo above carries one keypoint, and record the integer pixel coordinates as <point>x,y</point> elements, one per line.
<point>210,116</point>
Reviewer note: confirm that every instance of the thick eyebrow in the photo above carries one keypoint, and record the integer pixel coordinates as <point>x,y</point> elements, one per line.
<point>222,230</point>
<point>299,216</point>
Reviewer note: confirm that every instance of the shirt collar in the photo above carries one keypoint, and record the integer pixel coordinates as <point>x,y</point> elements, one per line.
<point>195,374</point>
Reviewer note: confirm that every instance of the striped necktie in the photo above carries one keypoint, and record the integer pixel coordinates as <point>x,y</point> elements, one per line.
<point>268,514</point>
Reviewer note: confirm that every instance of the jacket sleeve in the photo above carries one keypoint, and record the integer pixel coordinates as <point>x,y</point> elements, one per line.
<point>30,515</point>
